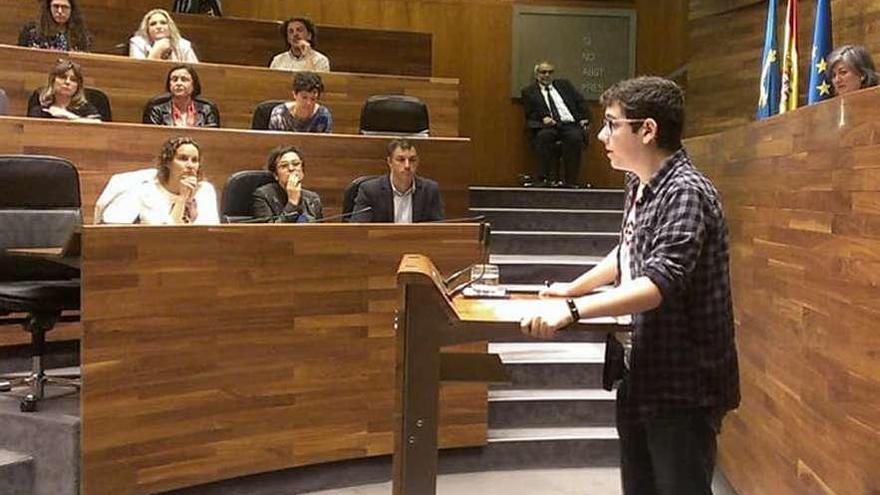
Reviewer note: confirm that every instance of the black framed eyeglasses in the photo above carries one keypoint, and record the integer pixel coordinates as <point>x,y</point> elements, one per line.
<point>613,124</point>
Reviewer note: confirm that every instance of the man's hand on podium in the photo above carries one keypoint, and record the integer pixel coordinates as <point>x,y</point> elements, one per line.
<point>544,325</point>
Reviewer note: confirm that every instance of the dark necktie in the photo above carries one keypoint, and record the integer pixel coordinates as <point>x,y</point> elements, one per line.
<point>554,112</point>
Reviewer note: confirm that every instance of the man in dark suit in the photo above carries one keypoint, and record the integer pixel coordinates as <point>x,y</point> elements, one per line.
<point>555,111</point>
<point>401,196</point>
<point>284,200</point>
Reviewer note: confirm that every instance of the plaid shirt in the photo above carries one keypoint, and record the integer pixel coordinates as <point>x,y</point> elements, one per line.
<point>683,351</point>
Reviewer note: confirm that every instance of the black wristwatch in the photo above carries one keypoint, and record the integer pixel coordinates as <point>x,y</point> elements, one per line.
<point>573,309</point>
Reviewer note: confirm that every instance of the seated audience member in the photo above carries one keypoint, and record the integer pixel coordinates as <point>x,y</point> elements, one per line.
<point>184,109</point>
<point>304,113</point>
<point>851,69</point>
<point>210,7</point>
<point>61,27</point>
<point>401,196</point>
<point>178,195</point>
<point>64,96</point>
<point>555,112</point>
<point>285,200</point>
<point>157,38</point>
<point>301,37</point>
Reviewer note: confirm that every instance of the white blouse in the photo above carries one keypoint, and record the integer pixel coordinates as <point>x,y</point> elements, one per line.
<point>151,204</point>
<point>139,47</point>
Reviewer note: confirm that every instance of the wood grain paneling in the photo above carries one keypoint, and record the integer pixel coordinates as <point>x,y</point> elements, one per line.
<point>332,161</point>
<point>249,348</point>
<point>235,89</point>
<point>800,193</point>
<point>726,49</point>
<point>472,42</point>
<point>236,41</point>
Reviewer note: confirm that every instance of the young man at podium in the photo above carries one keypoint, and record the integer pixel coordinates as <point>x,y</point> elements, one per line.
<point>677,371</point>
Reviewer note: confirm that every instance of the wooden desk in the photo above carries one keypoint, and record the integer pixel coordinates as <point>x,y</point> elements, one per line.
<point>215,352</point>
<point>236,89</point>
<point>230,40</point>
<point>801,193</point>
<point>332,161</point>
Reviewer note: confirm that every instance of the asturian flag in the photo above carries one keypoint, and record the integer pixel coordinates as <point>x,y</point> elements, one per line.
<point>788,97</point>
<point>820,74</point>
<point>768,96</point>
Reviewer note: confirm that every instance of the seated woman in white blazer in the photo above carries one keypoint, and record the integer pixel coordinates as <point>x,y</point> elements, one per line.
<point>177,195</point>
<point>157,38</point>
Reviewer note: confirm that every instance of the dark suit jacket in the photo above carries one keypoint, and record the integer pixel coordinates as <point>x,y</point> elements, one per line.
<point>536,108</point>
<point>377,194</point>
<point>271,200</point>
<point>205,114</point>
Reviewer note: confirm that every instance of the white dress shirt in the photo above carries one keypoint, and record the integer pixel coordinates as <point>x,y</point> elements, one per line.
<point>403,203</point>
<point>564,113</point>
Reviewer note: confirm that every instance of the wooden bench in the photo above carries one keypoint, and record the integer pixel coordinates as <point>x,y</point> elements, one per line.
<point>229,40</point>
<point>100,150</point>
<point>236,89</point>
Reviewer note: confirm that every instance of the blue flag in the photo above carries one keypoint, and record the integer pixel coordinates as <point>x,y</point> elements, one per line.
<point>768,99</point>
<point>820,73</point>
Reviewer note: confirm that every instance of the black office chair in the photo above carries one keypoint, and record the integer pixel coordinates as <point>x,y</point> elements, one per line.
<point>164,97</point>
<point>237,201</point>
<point>39,207</point>
<point>394,115</point>
<point>95,96</point>
<point>262,112</point>
<point>350,194</point>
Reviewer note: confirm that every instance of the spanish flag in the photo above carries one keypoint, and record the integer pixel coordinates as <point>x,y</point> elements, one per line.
<point>788,98</point>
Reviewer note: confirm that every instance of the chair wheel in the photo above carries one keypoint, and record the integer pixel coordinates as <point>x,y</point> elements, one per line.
<point>28,403</point>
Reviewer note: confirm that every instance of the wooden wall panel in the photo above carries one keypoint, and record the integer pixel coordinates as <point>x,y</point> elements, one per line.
<point>236,89</point>
<point>727,39</point>
<point>222,40</point>
<point>332,161</point>
<point>800,194</point>
<point>249,348</point>
<point>472,42</point>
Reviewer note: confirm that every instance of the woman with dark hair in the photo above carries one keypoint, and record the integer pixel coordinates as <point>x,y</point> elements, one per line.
<point>301,36</point>
<point>851,69</point>
<point>61,28</point>
<point>64,97</point>
<point>184,109</point>
<point>285,200</point>
<point>158,38</point>
<point>304,113</point>
<point>178,195</point>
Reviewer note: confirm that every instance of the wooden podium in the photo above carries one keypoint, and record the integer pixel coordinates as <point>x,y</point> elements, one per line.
<point>428,320</point>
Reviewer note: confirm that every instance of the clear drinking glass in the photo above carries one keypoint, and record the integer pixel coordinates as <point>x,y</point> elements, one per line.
<point>484,274</point>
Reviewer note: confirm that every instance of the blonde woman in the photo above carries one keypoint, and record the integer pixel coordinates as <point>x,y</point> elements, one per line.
<point>157,38</point>
<point>64,97</point>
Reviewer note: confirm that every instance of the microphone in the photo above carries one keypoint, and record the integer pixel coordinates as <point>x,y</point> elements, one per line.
<point>269,219</point>
<point>473,219</point>
<point>343,215</point>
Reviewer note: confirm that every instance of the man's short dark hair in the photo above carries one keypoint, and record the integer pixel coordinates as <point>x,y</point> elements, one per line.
<point>307,81</point>
<point>278,152</point>
<point>651,97</point>
<point>310,27</point>
<point>197,84</point>
<point>394,144</point>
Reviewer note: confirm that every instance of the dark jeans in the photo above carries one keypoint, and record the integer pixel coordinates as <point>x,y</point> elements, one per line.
<point>668,453</point>
<point>571,141</point>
